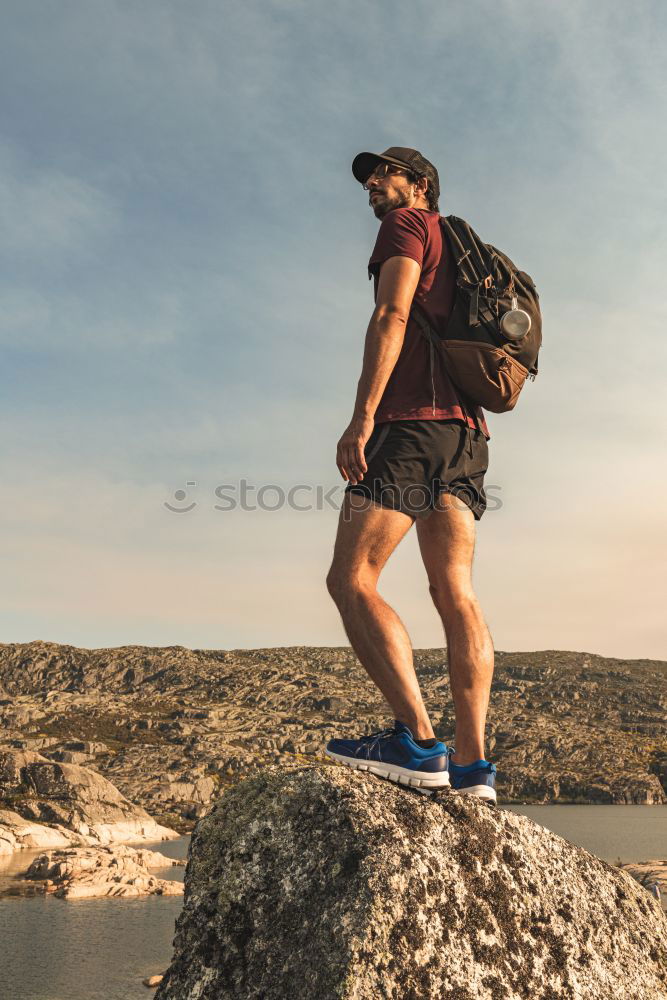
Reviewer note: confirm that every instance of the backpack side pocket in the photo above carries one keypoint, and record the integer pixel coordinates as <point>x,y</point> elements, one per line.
<point>486,374</point>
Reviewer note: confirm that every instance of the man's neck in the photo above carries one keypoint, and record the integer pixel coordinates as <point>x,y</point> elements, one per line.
<point>421,204</point>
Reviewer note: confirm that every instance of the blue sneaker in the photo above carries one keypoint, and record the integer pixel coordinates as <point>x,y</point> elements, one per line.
<point>478,778</point>
<point>393,753</point>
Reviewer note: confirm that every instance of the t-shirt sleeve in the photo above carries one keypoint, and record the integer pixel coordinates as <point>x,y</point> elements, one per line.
<point>403,233</point>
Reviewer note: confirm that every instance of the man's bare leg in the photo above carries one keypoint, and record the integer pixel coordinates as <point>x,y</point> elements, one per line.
<point>367,536</point>
<point>447,542</point>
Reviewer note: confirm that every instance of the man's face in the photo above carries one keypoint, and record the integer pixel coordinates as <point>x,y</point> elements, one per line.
<point>393,190</point>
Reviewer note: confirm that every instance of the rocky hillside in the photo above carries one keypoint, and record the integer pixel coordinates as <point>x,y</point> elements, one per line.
<point>44,803</point>
<point>169,726</point>
<point>316,882</point>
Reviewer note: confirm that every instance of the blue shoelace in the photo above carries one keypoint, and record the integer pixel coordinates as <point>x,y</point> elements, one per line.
<point>369,743</point>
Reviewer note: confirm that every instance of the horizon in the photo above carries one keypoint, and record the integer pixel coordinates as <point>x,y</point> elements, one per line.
<point>346,648</point>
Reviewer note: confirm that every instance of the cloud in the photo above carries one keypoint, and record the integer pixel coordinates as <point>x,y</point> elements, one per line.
<point>45,211</point>
<point>38,322</point>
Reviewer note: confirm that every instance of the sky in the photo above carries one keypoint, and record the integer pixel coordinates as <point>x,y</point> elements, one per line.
<point>184,299</point>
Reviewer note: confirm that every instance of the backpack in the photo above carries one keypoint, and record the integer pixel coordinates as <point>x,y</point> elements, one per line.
<point>485,364</point>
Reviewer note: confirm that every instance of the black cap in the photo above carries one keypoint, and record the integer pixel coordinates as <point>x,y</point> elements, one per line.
<point>364,164</point>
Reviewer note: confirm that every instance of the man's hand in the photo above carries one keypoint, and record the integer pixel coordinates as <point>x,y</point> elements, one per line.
<point>350,451</point>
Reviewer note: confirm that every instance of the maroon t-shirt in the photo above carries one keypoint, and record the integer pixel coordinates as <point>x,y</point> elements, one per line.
<point>409,393</point>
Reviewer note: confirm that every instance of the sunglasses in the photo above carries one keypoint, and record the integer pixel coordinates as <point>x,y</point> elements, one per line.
<point>382,170</point>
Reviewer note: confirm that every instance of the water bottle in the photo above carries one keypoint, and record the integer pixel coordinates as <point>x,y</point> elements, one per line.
<point>515,324</point>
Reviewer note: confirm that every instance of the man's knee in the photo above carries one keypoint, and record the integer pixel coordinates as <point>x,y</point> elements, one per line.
<point>338,583</point>
<point>451,600</point>
<point>333,583</point>
<point>438,597</point>
<point>344,583</point>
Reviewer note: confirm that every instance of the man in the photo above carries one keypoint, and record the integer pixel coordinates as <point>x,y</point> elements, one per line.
<point>413,451</point>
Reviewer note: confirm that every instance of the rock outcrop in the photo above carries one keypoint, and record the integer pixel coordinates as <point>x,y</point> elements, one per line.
<point>17,834</point>
<point>320,882</point>
<point>649,874</point>
<point>87,873</point>
<point>170,727</point>
<point>49,804</point>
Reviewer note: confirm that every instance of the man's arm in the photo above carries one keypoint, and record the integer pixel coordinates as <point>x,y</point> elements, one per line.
<point>398,281</point>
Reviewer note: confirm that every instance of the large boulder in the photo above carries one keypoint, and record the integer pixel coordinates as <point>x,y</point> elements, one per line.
<point>325,883</point>
<point>65,804</point>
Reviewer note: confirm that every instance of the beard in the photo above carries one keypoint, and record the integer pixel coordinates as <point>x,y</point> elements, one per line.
<point>383,204</point>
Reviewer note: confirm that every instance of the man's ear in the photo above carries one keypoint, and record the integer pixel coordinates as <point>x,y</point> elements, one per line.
<point>421,187</point>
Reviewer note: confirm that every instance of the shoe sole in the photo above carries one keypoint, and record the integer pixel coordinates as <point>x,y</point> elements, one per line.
<point>421,780</point>
<point>478,791</point>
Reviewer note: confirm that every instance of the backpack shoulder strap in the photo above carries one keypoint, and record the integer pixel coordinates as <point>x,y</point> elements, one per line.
<point>469,249</point>
<point>462,253</point>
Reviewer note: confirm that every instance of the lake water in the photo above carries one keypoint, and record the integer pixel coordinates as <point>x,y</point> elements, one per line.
<point>102,949</point>
<point>628,833</point>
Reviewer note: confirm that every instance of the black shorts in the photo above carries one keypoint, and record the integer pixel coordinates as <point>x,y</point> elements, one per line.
<point>411,462</point>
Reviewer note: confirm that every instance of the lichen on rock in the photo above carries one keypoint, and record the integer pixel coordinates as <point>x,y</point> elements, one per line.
<point>323,883</point>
